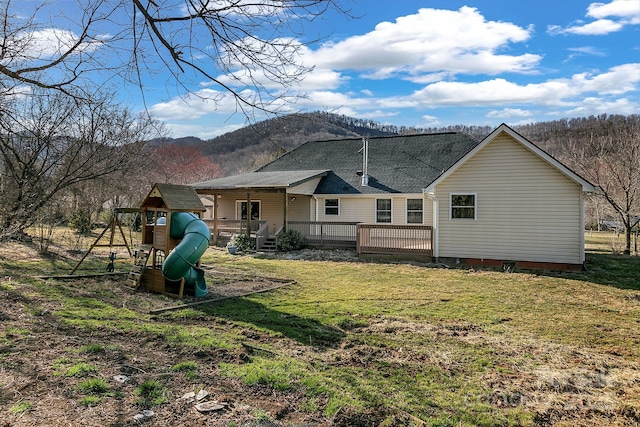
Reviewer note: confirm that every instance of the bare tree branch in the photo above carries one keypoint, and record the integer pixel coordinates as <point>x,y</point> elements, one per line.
<point>232,44</point>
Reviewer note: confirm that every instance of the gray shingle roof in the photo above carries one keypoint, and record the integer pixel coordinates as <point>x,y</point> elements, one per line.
<point>397,164</point>
<point>272,179</point>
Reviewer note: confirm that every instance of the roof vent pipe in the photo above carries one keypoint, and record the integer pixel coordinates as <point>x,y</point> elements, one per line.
<point>365,162</point>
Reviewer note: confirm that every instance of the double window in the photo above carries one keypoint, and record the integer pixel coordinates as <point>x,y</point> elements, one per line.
<point>463,205</point>
<point>241,210</point>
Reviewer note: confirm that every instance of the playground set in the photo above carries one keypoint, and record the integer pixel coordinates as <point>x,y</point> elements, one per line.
<point>173,240</point>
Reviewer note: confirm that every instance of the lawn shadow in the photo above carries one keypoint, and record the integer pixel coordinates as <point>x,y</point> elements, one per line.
<point>305,330</point>
<point>618,271</point>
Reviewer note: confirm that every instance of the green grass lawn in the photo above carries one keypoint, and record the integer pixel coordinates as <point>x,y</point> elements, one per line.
<point>390,344</point>
<point>452,347</point>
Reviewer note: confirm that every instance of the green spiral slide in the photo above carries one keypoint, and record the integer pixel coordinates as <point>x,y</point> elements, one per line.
<point>181,261</point>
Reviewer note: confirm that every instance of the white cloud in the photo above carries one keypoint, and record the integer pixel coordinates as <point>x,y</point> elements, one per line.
<point>378,114</point>
<point>556,92</point>
<point>50,42</point>
<point>577,93</point>
<point>197,105</point>
<point>594,105</point>
<point>626,9</point>
<point>292,52</point>
<point>618,80</point>
<point>329,100</point>
<point>430,41</point>
<point>595,28</point>
<point>587,50</point>
<point>609,17</point>
<point>430,121</point>
<point>487,93</point>
<point>202,131</point>
<point>508,113</point>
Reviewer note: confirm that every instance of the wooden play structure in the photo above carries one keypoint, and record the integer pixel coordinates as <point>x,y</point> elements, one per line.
<point>173,240</point>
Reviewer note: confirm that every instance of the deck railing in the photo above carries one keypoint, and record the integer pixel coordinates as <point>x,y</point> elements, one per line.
<point>392,239</point>
<point>262,234</point>
<point>228,227</point>
<point>326,234</point>
<point>364,238</point>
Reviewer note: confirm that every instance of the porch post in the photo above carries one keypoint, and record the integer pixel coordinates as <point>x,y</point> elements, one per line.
<point>285,206</point>
<point>248,214</point>
<point>215,220</point>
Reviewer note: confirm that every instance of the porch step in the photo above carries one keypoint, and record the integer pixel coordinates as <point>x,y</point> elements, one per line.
<point>269,245</point>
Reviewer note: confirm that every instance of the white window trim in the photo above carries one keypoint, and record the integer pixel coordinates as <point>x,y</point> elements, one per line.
<point>406,212</point>
<point>375,210</point>
<point>325,206</point>
<point>475,206</point>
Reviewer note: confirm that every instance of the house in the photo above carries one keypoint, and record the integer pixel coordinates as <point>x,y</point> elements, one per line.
<point>500,201</point>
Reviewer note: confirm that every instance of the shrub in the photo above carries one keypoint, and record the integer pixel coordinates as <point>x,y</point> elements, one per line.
<point>291,240</point>
<point>80,221</point>
<point>242,242</point>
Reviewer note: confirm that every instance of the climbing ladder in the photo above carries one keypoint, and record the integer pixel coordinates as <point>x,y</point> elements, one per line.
<point>139,263</point>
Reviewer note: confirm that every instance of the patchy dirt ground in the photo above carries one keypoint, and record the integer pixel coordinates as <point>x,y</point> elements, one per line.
<point>38,352</point>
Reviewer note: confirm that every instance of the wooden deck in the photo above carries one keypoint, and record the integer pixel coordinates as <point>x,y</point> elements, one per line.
<point>324,234</point>
<point>364,238</point>
<point>394,239</point>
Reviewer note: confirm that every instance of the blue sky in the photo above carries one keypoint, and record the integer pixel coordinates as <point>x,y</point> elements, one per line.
<point>478,62</point>
<point>434,63</point>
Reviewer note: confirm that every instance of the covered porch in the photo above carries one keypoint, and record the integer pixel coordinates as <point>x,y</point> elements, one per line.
<point>259,204</point>
<point>265,204</point>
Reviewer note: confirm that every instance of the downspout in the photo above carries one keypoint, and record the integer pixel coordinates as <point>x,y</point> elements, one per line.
<point>436,223</point>
<point>315,198</point>
<point>581,230</point>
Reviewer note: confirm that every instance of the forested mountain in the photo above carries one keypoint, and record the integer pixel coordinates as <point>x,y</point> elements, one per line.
<point>252,146</point>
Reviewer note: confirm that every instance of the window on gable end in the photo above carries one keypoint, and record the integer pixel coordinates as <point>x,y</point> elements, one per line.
<point>463,205</point>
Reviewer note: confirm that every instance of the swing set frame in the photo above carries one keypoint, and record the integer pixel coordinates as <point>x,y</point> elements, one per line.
<point>115,223</point>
